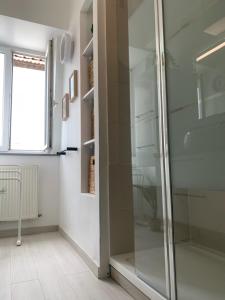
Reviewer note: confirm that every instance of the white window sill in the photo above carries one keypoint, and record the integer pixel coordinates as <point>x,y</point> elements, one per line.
<point>28,153</point>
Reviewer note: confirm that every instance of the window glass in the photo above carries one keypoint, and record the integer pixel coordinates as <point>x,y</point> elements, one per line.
<point>28,104</point>
<point>2,62</point>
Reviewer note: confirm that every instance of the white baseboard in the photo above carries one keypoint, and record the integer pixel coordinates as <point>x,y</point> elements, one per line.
<point>28,231</point>
<point>89,262</point>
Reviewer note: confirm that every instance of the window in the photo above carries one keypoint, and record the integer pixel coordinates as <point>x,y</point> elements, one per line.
<point>2,64</point>
<point>28,103</point>
<point>25,101</point>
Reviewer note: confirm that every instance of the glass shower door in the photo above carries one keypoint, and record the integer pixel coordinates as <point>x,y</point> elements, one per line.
<point>195,52</point>
<point>147,169</point>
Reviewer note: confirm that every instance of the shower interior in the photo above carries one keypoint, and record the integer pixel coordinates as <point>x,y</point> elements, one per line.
<point>199,240</point>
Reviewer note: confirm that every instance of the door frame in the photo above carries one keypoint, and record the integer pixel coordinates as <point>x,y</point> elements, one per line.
<point>164,153</point>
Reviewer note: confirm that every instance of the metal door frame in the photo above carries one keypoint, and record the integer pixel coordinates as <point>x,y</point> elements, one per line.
<point>164,153</point>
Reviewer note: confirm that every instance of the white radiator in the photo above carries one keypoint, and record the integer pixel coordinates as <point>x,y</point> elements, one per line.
<point>9,193</point>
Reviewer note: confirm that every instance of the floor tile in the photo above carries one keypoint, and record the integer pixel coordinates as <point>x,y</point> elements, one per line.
<point>23,267</point>
<point>30,290</point>
<point>88,287</point>
<point>47,267</point>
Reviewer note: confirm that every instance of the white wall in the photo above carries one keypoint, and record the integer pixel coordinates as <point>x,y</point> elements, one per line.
<point>55,13</point>
<point>48,165</point>
<point>22,34</point>
<point>48,188</point>
<point>79,215</point>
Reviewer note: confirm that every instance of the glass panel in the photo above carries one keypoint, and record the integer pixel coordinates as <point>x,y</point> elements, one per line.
<point>195,50</point>
<point>147,195</point>
<point>2,75</point>
<point>28,106</point>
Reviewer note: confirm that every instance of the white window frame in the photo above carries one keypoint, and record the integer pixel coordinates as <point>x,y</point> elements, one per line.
<point>49,95</point>
<point>7,96</point>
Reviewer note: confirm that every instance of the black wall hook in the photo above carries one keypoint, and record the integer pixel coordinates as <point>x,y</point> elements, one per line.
<point>71,149</point>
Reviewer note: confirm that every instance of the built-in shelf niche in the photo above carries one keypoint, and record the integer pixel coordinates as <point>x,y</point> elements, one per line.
<point>88,103</point>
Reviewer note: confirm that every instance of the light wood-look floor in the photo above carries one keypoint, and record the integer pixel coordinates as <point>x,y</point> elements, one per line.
<point>47,267</point>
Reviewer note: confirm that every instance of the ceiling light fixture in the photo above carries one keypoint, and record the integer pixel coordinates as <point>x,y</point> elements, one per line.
<point>211,51</point>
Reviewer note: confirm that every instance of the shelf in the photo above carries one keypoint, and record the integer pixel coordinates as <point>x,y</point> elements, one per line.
<point>89,95</point>
<point>88,51</point>
<point>89,143</point>
<point>145,146</point>
<point>88,195</point>
<point>89,107</point>
<point>219,95</point>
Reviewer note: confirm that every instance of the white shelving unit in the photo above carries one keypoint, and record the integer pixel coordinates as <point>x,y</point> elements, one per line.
<point>89,95</point>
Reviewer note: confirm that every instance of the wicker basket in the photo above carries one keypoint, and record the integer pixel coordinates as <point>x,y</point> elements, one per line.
<point>91,175</point>
<point>91,74</point>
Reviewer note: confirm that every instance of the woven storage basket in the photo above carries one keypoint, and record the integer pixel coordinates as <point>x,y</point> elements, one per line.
<point>91,74</point>
<point>91,175</point>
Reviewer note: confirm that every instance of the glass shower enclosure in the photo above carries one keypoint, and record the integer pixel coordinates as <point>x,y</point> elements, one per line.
<point>177,101</point>
<point>147,165</point>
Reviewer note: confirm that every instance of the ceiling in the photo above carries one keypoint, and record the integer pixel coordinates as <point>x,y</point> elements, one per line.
<point>25,35</point>
<point>55,13</point>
